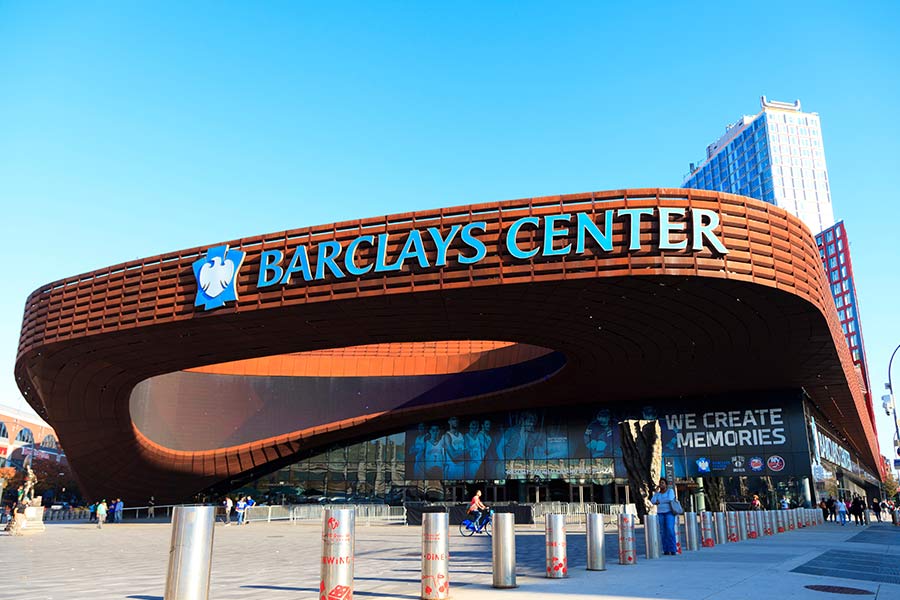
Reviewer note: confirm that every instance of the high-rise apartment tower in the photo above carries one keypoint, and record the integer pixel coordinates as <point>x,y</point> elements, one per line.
<point>775,156</point>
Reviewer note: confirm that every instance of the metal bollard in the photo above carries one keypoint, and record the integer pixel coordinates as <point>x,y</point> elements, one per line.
<point>190,553</point>
<point>691,533</point>
<point>721,528</point>
<point>651,536</point>
<point>435,556</point>
<point>779,521</point>
<point>627,553</point>
<point>750,524</point>
<point>677,536</point>
<point>338,532</point>
<point>504,550</point>
<point>742,526</point>
<point>792,520</point>
<point>557,558</point>
<point>596,542</point>
<point>770,523</point>
<point>731,521</point>
<point>707,530</point>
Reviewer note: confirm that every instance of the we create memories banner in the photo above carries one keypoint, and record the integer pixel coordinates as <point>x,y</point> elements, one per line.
<point>733,435</point>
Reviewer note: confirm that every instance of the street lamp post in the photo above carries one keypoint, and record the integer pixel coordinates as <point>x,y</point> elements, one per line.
<point>891,399</point>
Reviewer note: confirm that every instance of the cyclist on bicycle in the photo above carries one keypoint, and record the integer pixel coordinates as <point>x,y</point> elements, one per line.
<point>476,509</point>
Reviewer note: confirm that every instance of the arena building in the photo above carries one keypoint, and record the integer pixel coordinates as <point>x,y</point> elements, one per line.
<point>498,345</point>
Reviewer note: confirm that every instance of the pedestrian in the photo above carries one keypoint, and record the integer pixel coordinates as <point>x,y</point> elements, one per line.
<point>856,509</point>
<point>841,511</point>
<point>829,503</point>
<point>151,508</point>
<point>229,504</point>
<point>663,499</point>
<point>93,512</point>
<point>239,508</point>
<point>823,506</point>
<point>250,504</point>
<point>120,506</point>
<point>755,504</point>
<point>101,513</point>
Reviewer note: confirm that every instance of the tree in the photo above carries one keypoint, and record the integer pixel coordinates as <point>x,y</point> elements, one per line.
<point>6,474</point>
<point>52,477</point>
<point>890,484</point>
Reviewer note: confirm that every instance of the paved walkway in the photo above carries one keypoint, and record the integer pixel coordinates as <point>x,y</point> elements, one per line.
<point>279,560</point>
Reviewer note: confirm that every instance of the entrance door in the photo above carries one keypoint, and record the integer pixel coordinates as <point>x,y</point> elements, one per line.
<point>622,494</point>
<point>538,493</point>
<point>581,493</point>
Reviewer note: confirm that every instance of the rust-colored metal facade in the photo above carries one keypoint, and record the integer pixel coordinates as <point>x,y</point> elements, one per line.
<point>632,325</point>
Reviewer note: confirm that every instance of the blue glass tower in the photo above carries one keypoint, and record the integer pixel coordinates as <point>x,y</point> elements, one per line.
<point>775,156</point>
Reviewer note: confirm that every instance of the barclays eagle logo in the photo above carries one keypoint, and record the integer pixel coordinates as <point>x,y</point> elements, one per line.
<point>216,276</point>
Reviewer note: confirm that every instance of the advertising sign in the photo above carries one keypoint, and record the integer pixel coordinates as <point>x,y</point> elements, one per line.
<point>737,435</point>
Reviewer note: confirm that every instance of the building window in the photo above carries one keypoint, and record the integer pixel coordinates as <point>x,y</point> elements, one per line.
<point>829,236</point>
<point>845,286</point>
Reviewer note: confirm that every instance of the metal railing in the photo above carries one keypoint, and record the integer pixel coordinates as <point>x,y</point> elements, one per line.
<point>575,511</point>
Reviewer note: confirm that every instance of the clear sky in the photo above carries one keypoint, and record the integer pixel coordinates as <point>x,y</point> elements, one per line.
<point>128,129</point>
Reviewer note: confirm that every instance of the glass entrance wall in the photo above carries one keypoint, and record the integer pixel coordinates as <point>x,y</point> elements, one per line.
<point>752,444</point>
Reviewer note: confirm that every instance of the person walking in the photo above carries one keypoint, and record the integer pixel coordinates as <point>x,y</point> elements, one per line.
<point>151,508</point>
<point>250,504</point>
<point>663,499</point>
<point>229,504</point>
<point>101,513</point>
<point>239,508</point>
<point>120,506</point>
<point>841,508</point>
<point>93,512</point>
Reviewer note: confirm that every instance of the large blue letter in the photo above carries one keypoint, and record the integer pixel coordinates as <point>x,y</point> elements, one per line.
<point>299,263</point>
<point>701,230</point>
<point>328,252</point>
<point>413,248</point>
<point>269,261</point>
<point>511,246</point>
<point>473,242</point>
<point>350,257</point>
<point>381,265</point>
<point>635,215</point>
<point>666,227</point>
<point>586,225</point>
<point>442,244</point>
<point>550,233</point>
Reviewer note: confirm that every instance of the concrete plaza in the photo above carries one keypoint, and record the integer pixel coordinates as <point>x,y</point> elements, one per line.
<point>73,561</point>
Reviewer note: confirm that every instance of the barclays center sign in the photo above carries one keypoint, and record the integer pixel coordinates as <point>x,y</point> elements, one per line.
<point>679,229</point>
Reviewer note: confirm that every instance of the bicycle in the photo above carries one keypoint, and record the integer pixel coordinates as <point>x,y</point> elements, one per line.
<point>467,527</point>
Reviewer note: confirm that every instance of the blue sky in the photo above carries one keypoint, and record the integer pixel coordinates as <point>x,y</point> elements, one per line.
<point>131,129</point>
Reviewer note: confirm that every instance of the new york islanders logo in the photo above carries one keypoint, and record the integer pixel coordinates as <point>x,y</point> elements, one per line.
<point>216,276</point>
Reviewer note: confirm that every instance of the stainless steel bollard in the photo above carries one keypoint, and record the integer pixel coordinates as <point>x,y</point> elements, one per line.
<point>691,533</point>
<point>792,520</point>
<point>338,532</point>
<point>435,556</point>
<point>742,525</point>
<point>627,552</point>
<point>190,553</point>
<point>707,530</point>
<point>779,521</point>
<point>596,542</point>
<point>651,536</point>
<point>760,523</point>
<point>750,525</point>
<point>557,557</point>
<point>504,550</point>
<point>721,528</point>
<point>731,520</point>
<point>768,527</point>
